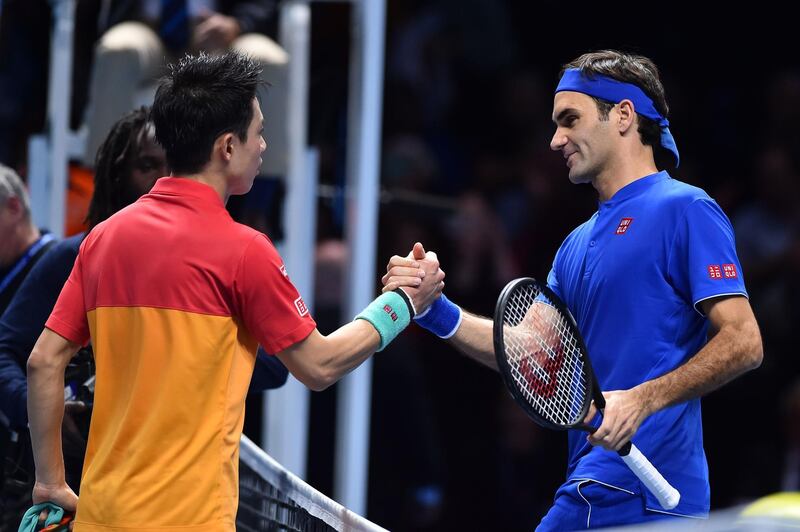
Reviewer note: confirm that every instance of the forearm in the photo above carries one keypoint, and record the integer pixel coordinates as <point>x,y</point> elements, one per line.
<point>475,338</point>
<point>45,415</point>
<point>319,360</point>
<point>347,348</point>
<point>730,353</point>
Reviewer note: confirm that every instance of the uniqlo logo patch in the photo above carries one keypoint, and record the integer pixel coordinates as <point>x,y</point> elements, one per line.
<point>390,311</point>
<point>714,271</point>
<point>729,271</point>
<point>623,225</point>
<point>301,307</point>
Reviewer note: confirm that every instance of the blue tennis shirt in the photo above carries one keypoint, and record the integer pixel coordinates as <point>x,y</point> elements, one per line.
<point>633,276</point>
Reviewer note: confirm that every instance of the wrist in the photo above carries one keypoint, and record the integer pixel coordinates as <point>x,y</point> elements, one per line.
<point>49,483</point>
<point>412,310</point>
<point>442,318</point>
<point>647,399</point>
<point>389,313</point>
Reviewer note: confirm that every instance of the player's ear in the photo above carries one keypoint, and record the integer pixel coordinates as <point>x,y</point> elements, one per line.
<point>626,115</point>
<point>223,146</point>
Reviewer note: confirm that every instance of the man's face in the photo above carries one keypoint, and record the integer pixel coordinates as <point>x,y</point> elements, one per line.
<point>585,141</point>
<point>148,164</point>
<point>11,216</point>
<point>246,160</point>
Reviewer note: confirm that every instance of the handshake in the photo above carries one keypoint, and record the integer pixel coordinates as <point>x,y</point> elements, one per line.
<point>418,275</point>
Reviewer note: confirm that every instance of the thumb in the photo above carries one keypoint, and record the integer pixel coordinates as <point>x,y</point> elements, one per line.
<point>418,252</point>
<point>590,414</point>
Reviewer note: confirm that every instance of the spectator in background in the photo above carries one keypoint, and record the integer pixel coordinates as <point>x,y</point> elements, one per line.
<point>21,242</point>
<point>128,163</point>
<point>783,107</point>
<point>142,35</point>
<point>25,28</point>
<point>483,252</point>
<point>768,238</point>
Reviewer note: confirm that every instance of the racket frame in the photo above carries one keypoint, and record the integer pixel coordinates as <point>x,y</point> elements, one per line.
<point>592,389</point>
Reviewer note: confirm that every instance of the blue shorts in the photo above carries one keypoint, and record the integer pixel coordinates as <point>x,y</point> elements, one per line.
<point>582,504</point>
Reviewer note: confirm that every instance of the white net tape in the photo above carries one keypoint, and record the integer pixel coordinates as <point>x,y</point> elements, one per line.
<point>272,498</point>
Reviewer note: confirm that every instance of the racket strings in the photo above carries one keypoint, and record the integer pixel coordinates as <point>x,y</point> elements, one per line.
<point>544,356</point>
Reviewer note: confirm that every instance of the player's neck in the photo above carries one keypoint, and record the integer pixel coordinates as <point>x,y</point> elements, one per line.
<point>622,172</point>
<point>213,179</point>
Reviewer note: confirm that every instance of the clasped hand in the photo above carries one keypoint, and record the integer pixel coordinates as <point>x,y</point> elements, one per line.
<point>418,274</point>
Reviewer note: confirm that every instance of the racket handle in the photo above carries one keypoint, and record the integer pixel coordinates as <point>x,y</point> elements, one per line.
<point>667,496</point>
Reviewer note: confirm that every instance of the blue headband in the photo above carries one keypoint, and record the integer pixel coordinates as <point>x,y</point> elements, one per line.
<point>611,90</point>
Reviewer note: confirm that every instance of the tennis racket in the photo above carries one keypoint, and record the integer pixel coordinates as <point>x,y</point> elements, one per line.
<point>544,364</point>
<point>61,526</point>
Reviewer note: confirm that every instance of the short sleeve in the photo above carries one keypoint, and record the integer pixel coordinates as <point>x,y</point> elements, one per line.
<point>267,301</point>
<point>703,263</point>
<point>552,282</point>
<point>68,318</point>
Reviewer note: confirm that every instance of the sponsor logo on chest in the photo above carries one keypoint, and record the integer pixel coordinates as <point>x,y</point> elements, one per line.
<point>623,226</point>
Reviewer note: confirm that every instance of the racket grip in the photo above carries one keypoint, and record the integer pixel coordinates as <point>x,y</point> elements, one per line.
<point>667,496</point>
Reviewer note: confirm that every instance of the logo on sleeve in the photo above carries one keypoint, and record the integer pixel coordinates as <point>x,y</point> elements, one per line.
<point>726,271</point>
<point>623,225</point>
<point>301,307</point>
<point>283,270</point>
<point>392,314</point>
<point>729,271</point>
<point>714,271</point>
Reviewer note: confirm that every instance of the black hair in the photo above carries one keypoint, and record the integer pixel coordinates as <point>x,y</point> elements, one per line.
<point>115,158</point>
<point>201,98</point>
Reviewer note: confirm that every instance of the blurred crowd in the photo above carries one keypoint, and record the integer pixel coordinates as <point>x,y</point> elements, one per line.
<point>467,170</point>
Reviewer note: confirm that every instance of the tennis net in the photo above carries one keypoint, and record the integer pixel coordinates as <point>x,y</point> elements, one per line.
<point>273,499</point>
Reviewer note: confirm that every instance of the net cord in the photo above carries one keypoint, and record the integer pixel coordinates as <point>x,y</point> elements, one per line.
<point>315,503</point>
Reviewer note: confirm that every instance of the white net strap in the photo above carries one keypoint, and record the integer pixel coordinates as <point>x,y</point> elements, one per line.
<point>312,501</point>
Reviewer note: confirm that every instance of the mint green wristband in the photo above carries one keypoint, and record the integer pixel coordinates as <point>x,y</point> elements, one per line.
<point>389,315</point>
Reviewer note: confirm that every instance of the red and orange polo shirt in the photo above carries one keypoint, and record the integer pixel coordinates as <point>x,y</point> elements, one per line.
<point>175,297</point>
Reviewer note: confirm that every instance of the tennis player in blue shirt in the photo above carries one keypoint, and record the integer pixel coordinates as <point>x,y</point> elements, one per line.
<point>654,283</point>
